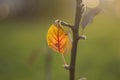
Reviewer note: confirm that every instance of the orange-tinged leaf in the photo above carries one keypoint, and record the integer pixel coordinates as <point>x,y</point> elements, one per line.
<point>58,39</point>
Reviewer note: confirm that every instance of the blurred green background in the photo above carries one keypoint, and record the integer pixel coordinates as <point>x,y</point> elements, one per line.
<point>24,54</point>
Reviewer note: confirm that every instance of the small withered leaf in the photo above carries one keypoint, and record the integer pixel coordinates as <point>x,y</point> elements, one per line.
<point>88,17</point>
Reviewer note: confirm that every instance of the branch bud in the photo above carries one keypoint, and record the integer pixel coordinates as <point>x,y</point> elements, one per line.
<point>83,78</point>
<point>67,67</point>
<point>82,37</point>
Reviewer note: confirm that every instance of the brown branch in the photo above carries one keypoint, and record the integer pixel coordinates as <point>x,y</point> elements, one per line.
<point>78,16</point>
<point>76,37</point>
<point>66,24</point>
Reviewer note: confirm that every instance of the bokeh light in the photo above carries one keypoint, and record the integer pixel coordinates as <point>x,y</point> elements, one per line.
<point>91,3</point>
<point>117,9</point>
<point>4,11</point>
<point>110,0</point>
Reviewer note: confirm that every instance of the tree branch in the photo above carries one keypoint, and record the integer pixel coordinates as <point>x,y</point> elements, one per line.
<point>66,24</point>
<point>76,37</point>
<point>78,16</point>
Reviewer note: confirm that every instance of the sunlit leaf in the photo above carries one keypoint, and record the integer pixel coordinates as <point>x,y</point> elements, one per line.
<point>58,39</point>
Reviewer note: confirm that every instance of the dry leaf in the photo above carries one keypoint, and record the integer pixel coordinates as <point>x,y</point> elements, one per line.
<point>58,39</point>
<point>88,18</point>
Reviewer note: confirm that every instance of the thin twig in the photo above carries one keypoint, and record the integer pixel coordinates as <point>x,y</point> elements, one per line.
<point>66,24</point>
<point>63,59</point>
<point>66,66</point>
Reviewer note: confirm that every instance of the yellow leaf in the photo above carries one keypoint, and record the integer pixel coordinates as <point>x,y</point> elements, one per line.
<point>58,39</point>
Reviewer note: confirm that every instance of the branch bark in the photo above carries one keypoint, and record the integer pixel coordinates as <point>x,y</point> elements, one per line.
<point>76,37</point>
<point>75,30</point>
<point>66,24</point>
